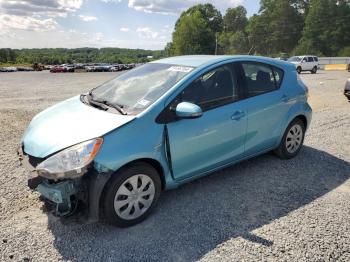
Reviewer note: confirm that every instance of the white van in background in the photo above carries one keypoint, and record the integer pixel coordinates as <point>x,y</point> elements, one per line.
<point>305,63</point>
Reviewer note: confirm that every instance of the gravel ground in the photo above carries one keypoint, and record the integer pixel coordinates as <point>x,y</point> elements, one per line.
<point>264,209</point>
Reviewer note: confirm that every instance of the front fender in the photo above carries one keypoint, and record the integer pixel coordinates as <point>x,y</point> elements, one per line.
<point>137,141</point>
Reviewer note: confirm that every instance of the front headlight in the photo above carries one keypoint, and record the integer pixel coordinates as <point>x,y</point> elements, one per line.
<point>70,162</point>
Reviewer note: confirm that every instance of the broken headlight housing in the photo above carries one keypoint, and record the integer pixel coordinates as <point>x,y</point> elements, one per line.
<point>70,162</point>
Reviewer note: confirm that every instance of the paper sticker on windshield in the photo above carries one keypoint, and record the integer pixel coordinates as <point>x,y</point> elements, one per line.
<point>183,69</point>
<point>143,102</point>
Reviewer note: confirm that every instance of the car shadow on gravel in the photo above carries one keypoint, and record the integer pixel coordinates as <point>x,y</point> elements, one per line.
<point>193,219</point>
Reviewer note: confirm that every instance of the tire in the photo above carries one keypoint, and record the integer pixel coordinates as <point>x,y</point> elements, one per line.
<point>291,144</point>
<point>299,70</point>
<point>121,199</point>
<point>314,70</point>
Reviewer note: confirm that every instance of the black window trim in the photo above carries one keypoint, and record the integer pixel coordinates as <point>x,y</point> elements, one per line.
<point>244,91</point>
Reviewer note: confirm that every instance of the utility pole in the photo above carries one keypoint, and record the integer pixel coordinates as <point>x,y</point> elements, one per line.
<point>216,43</point>
<point>249,41</point>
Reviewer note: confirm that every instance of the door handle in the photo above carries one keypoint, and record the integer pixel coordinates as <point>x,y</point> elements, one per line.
<point>285,98</point>
<point>237,115</point>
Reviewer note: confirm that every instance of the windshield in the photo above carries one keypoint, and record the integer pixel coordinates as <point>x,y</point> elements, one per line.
<point>137,89</point>
<point>295,59</point>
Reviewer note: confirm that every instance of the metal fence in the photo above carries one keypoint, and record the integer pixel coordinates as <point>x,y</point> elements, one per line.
<point>333,60</point>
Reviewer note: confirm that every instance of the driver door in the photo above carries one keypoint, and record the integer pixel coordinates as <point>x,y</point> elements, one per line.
<point>218,136</point>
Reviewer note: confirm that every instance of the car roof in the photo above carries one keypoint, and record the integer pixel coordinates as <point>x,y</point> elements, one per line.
<point>206,60</point>
<point>191,60</point>
<point>305,55</point>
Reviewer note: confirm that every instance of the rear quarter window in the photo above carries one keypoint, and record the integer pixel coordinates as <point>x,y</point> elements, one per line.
<point>278,74</point>
<point>260,78</point>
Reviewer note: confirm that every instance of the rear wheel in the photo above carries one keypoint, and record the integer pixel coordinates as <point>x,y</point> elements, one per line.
<point>131,195</point>
<point>299,70</point>
<point>314,70</point>
<point>292,140</point>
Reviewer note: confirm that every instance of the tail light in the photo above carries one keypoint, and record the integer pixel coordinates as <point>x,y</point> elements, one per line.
<point>301,83</point>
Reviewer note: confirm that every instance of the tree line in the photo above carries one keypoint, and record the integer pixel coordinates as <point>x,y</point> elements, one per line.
<point>318,27</point>
<point>77,55</point>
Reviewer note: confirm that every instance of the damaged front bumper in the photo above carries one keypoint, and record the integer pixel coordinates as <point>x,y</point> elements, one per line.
<point>66,195</point>
<point>62,194</point>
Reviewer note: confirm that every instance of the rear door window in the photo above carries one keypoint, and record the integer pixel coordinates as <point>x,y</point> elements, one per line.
<point>310,59</point>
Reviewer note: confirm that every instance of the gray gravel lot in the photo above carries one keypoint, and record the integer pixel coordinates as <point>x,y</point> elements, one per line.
<point>264,209</point>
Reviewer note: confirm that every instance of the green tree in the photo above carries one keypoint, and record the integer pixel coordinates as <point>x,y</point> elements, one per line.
<point>327,28</point>
<point>235,19</point>
<point>169,49</point>
<point>302,6</point>
<point>209,13</point>
<point>258,31</point>
<point>285,27</point>
<point>232,43</point>
<point>193,35</point>
<point>345,51</point>
<point>3,57</point>
<point>277,28</point>
<point>7,55</point>
<point>234,39</point>
<point>77,55</point>
<point>341,34</point>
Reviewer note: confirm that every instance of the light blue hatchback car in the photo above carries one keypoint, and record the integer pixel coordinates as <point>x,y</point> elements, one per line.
<point>113,150</point>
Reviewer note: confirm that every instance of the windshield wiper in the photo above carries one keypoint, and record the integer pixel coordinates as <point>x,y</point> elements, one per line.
<point>91,101</point>
<point>115,106</point>
<point>105,104</point>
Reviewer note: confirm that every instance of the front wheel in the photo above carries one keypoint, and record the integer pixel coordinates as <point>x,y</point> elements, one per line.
<point>131,195</point>
<point>299,70</point>
<point>292,140</point>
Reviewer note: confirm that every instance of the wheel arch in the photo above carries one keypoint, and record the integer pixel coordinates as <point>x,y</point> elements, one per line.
<point>302,118</point>
<point>152,162</point>
<point>149,161</point>
<point>300,111</point>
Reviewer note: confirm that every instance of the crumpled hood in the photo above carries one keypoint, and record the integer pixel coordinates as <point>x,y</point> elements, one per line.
<point>68,123</point>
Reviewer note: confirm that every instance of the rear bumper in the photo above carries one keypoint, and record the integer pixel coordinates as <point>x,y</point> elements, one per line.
<point>308,114</point>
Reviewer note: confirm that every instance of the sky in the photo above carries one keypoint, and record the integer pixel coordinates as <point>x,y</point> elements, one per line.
<point>146,24</point>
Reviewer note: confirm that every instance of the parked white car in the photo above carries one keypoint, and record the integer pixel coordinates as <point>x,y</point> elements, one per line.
<point>9,69</point>
<point>305,63</point>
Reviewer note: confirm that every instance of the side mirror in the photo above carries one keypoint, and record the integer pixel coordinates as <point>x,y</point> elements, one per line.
<point>188,110</point>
